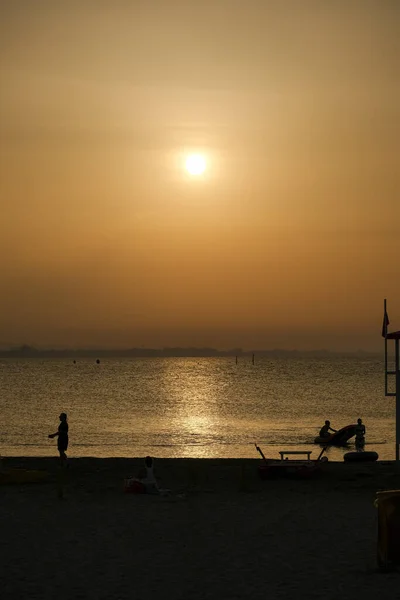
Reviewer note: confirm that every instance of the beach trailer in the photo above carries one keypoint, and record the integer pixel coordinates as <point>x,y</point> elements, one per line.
<point>272,468</point>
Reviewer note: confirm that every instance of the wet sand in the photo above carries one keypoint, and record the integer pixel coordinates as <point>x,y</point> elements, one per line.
<point>223,533</point>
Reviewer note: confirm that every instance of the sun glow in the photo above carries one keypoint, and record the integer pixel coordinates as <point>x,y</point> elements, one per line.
<point>195,164</point>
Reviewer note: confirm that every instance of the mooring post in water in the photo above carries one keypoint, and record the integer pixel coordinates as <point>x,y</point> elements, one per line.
<point>395,335</point>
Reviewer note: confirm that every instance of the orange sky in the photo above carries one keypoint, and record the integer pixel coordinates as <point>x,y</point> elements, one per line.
<point>290,238</point>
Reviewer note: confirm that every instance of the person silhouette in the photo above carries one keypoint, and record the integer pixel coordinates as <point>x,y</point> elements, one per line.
<point>145,482</point>
<point>325,429</point>
<point>360,435</point>
<point>62,434</point>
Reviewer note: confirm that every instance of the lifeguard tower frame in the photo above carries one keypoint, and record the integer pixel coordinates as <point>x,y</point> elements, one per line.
<point>395,335</point>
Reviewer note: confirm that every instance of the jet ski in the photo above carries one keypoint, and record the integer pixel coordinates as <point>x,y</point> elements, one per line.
<point>340,438</point>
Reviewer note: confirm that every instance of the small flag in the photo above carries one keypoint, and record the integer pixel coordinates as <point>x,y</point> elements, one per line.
<point>385,324</point>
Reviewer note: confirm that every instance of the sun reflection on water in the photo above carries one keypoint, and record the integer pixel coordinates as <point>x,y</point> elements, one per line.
<point>190,407</point>
<point>192,393</point>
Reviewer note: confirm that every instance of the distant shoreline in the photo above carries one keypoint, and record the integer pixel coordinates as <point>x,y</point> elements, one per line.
<point>176,352</point>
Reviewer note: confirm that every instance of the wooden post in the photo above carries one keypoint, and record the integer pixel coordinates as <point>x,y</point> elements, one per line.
<point>252,359</point>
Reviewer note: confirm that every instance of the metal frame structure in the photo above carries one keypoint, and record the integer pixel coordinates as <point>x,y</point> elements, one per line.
<point>395,336</point>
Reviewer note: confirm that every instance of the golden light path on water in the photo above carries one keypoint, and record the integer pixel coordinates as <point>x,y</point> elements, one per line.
<point>192,399</point>
<point>191,407</point>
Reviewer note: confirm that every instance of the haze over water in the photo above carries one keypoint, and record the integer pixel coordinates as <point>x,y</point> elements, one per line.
<point>208,407</point>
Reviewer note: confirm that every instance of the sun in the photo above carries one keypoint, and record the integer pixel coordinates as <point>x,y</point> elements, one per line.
<point>195,164</point>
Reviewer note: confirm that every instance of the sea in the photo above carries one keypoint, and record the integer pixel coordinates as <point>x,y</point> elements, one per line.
<point>192,407</point>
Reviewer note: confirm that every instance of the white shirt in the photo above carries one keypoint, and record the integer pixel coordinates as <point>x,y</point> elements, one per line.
<point>149,479</point>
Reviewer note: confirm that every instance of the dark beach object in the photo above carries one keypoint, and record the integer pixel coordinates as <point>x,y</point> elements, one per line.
<point>23,476</point>
<point>388,551</point>
<point>98,361</point>
<point>340,438</point>
<point>361,456</point>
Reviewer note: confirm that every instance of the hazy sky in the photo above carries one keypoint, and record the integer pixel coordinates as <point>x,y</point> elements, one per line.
<point>291,236</point>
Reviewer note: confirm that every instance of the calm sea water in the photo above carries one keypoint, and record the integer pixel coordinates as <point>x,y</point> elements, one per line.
<point>183,407</point>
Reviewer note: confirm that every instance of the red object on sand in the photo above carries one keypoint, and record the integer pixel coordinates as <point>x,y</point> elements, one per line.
<point>133,486</point>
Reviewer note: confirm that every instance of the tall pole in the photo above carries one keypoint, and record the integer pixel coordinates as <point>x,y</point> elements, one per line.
<point>386,352</point>
<point>397,368</point>
<point>396,373</point>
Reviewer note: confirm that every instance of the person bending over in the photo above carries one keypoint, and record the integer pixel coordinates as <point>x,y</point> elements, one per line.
<point>324,431</point>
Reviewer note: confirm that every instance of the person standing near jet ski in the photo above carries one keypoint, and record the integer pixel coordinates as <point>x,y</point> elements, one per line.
<point>325,429</point>
<point>360,435</point>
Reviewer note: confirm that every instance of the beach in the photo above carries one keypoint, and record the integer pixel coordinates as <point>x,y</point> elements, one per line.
<point>222,533</point>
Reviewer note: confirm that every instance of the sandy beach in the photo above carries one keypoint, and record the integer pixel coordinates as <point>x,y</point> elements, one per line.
<point>223,533</point>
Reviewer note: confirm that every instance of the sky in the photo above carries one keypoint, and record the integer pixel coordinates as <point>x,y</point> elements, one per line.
<point>290,238</point>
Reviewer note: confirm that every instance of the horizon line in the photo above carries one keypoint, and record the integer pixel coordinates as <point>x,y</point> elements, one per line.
<point>28,349</point>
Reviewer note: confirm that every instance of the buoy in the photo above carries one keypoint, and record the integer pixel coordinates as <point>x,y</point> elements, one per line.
<point>360,456</point>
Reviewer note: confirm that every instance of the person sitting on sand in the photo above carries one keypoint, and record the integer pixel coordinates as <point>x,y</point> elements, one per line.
<point>62,433</point>
<point>148,478</point>
<point>146,481</point>
<point>360,435</point>
<point>324,431</point>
